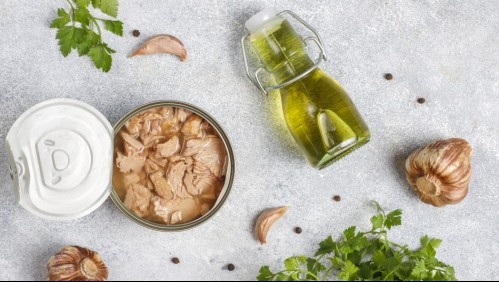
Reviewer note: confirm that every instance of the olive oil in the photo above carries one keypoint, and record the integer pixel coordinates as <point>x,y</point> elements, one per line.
<point>318,112</point>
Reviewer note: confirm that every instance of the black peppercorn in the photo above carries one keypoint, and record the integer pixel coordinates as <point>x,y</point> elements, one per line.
<point>388,76</point>
<point>231,267</point>
<point>298,230</point>
<point>337,198</point>
<point>421,100</point>
<point>175,261</point>
<point>136,33</point>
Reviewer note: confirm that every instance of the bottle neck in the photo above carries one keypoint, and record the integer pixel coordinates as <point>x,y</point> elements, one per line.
<point>281,50</point>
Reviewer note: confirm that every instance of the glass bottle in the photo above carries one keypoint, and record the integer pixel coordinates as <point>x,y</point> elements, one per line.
<point>318,112</point>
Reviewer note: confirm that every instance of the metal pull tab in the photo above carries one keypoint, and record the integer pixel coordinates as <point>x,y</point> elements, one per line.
<point>255,77</point>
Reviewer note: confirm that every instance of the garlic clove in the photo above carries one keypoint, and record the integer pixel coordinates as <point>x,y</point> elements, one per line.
<point>162,44</point>
<point>440,172</point>
<point>74,263</point>
<point>266,220</point>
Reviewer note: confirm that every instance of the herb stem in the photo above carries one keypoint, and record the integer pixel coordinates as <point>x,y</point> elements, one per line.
<point>98,29</point>
<point>327,273</point>
<point>73,15</point>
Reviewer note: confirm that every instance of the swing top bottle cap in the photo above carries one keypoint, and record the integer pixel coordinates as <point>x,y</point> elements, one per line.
<point>260,18</point>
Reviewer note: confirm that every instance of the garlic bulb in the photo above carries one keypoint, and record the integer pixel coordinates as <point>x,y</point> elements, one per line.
<point>76,264</point>
<point>441,171</point>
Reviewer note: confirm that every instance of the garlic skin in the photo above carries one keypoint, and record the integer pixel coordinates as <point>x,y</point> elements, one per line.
<point>440,172</point>
<point>74,263</point>
<point>265,221</point>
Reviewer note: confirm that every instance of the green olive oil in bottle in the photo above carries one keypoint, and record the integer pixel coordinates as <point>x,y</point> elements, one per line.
<point>319,113</point>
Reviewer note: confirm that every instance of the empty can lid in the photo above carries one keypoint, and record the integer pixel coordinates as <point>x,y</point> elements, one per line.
<point>61,155</point>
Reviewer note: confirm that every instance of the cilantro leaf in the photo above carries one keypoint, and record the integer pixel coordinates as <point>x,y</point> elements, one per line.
<point>348,271</point>
<point>108,7</point>
<point>419,271</point>
<point>265,274</point>
<point>349,233</point>
<point>101,58</point>
<point>62,20</point>
<point>115,27</point>
<point>377,221</point>
<point>91,40</point>
<point>69,37</point>
<point>393,219</point>
<point>326,247</point>
<point>83,3</point>
<point>82,16</point>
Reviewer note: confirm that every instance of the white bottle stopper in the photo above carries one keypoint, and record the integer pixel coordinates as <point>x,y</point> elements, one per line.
<point>260,18</point>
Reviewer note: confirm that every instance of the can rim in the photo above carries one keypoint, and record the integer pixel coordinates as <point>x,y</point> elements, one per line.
<point>229,180</point>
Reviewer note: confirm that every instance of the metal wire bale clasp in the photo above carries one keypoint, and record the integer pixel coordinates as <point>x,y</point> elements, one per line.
<point>255,77</point>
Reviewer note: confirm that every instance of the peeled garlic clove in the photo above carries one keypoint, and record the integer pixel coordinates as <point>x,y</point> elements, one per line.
<point>162,44</point>
<point>74,263</point>
<point>265,221</point>
<point>441,171</point>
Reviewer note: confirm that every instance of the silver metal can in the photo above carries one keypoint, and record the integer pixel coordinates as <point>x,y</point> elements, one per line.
<point>229,178</point>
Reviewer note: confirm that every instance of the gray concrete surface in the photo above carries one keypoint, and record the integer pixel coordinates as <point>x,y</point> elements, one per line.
<point>444,51</point>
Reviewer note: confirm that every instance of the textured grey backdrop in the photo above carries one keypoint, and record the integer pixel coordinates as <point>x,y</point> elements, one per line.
<point>444,51</point>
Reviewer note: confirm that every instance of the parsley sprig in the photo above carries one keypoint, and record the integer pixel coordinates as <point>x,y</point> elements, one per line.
<point>81,31</point>
<point>366,256</point>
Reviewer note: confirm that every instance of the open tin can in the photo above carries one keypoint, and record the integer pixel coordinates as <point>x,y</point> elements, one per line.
<point>61,155</point>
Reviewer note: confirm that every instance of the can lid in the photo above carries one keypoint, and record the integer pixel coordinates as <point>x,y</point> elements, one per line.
<point>61,155</point>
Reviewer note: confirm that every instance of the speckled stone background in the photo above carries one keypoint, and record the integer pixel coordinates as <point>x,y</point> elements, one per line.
<point>444,51</point>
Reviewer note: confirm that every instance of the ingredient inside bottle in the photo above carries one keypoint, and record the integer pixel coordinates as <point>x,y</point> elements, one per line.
<point>170,165</point>
<point>319,114</point>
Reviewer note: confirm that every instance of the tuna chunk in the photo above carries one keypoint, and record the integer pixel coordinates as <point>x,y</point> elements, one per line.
<point>130,163</point>
<point>209,151</point>
<point>181,115</point>
<point>134,126</point>
<point>131,178</point>
<point>150,166</point>
<point>152,140</point>
<point>160,161</point>
<point>161,186</point>
<point>192,126</point>
<point>175,211</point>
<point>200,184</point>
<point>135,145</point>
<point>151,124</point>
<point>170,125</point>
<point>168,149</point>
<point>137,199</point>
<point>175,178</point>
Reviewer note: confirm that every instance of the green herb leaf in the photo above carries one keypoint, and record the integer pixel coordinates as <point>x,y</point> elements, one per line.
<point>91,40</point>
<point>62,20</point>
<point>265,274</point>
<point>393,219</point>
<point>377,221</point>
<point>419,271</point>
<point>326,247</point>
<point>82,3</point>
<point>101,58</point>
<point>69,37</point>
<point>348,271</point>
<point>108,7</point>
<point>82,16</point>
<point>349,233</point>
<point>115,27</point>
